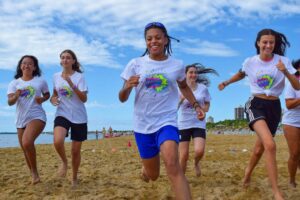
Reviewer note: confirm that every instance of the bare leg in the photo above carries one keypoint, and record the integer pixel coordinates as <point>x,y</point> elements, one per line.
<point>258,151</point>
<point>292,135</point>
<point>31,132</point>
<point>180,186</point>
<point>76,158</point>
<point>199,145</point>
<point>20,136</point>
<point>183,154</point>
<point>266,138</point>
<point>150,169</point>
<point>59,139</point>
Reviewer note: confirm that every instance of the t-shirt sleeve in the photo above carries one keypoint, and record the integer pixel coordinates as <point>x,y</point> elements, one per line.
<point>45,87</point>
<point>289,92</point>
<point>181,75</point>
<point>82,86</point>
<point>12,87</point>
<point>244,66</point>
<point>129,70</point>
<point>207,97</point>
<point>290,67</point>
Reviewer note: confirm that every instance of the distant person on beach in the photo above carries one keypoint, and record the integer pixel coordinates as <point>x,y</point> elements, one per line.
<point>266,72</point>
<point>188,123</point>
<point>291,126</point>
<point>96,134</point>
<point>155,77</point>
<point>29,91</point>
<point>69,95</point>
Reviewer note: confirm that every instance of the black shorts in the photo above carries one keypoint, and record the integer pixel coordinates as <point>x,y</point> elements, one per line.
<point>186,134</point>
<point>269,110</point>
<point>78,131</point>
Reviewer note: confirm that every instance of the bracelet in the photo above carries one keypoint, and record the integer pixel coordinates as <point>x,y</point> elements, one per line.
<point>195,105</point>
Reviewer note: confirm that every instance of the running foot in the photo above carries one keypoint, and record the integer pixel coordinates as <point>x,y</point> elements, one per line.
<point>35,179</point>
<point>293,184</point>
<point>143,176</point>
<point>75,183</point>
<point>197,170</point>
<point>62,171</point>
<point>278,196</point>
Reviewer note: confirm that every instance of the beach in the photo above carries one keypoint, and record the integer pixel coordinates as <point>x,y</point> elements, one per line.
<point>110,169</point>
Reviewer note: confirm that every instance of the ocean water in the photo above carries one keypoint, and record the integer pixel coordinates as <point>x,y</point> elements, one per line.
<point>11,139</point>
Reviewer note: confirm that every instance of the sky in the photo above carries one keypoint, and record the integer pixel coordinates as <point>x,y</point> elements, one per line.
<point>106,35</point>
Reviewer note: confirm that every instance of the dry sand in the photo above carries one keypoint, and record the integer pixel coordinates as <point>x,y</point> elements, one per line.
<point>110,170</point>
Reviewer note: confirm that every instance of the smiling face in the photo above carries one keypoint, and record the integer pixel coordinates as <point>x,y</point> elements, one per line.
<point>266,45</point>
<point>67,60</point>
<point>191,75</point>
<point>27,66</point>
<point>156,42</point>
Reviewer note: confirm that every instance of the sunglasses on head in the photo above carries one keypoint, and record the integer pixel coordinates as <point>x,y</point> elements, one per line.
<point>159,25</point>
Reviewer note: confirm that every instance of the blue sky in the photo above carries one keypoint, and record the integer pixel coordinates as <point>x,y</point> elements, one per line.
<point>105,35</point>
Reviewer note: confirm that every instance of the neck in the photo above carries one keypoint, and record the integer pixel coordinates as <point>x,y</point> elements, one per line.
<point>27,77</point>
<point>266,57</point>
<point>192,84</point>
<point>68,71</point>
<point>158,57</point>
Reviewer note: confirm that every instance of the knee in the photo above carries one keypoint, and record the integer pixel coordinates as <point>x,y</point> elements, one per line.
<point>58,144</point>
<point>199,153</point>
<point>75,152</point>
<point>295,156</point>
<point>153,176</point>
<point>27,144</point>
<point>258,152</point>
<point>172,167</point>
<point>270,147</point>
<point>184,156</point>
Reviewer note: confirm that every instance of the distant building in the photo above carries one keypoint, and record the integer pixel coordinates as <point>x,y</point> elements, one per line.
<point>239,112</point>
<point>210,119</point>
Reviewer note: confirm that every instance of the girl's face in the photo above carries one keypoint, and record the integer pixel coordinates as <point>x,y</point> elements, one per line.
<point>156,42</point>
<point>266,45</point>
<point>27,66</point>
<point>66,60</point>
<point>191,74</point>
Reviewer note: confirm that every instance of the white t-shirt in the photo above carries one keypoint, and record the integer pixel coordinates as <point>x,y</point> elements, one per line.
<point>27,109</point>
<point>292,117</point>
<point>188,116</point>
<point>70,106</point>
<point>264,77</point>
<point>156,95</point>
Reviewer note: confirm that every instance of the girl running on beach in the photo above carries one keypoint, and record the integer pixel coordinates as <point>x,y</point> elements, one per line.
<point>291,127</point>
<point>29,91</point>
<point>69,95</point>
<point>266,72</point>
<point>189,125</point>
<point>155,77</point>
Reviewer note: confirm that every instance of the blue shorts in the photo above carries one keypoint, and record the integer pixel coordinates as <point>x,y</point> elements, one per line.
<point>149,144</point>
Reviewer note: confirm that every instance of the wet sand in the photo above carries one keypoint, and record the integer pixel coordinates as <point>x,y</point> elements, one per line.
<point>110,170</point>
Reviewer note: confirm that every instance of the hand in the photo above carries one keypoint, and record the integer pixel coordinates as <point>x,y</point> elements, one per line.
<point>55,100</point>
<point>39,100</point>
<point>281,67</point>
<point>133,81</point>
<point>17,94</point>
<point>221,86</point>
<point>200,113</point>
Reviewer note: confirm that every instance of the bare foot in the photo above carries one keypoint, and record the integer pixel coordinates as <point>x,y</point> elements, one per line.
<point>75,183</point>
<point>278,196</point>
<point>62,171</point>
<point>197,170</point>
<point>35,179</point>
<point>246,179</point>
<point>293,184</point>
<point>143,176</point>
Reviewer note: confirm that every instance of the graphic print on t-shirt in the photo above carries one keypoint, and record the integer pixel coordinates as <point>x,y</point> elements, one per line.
<point>157,82</point>
<point>27,92</point>
<point>65,91</point>
<point>265,81</point>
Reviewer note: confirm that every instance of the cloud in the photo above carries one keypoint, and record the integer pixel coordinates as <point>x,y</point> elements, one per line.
<point>206,48</point>
<point>95,30</point>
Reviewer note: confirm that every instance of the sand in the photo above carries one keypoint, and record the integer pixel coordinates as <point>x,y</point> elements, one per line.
<point>110,170</point>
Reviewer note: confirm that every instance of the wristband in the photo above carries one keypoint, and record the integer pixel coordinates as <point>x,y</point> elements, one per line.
<point>195,105</point>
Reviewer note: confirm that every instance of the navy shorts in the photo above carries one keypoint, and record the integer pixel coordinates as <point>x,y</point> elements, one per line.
<point>268,110</point>
<point>187,134</point>
<point>78,131</point>
<point>149,144</point>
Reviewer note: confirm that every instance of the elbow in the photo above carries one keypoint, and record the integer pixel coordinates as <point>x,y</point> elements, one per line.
<point>122,99</point>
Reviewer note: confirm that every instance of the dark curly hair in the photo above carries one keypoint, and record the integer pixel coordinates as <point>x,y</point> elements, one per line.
<point>36,72</point>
